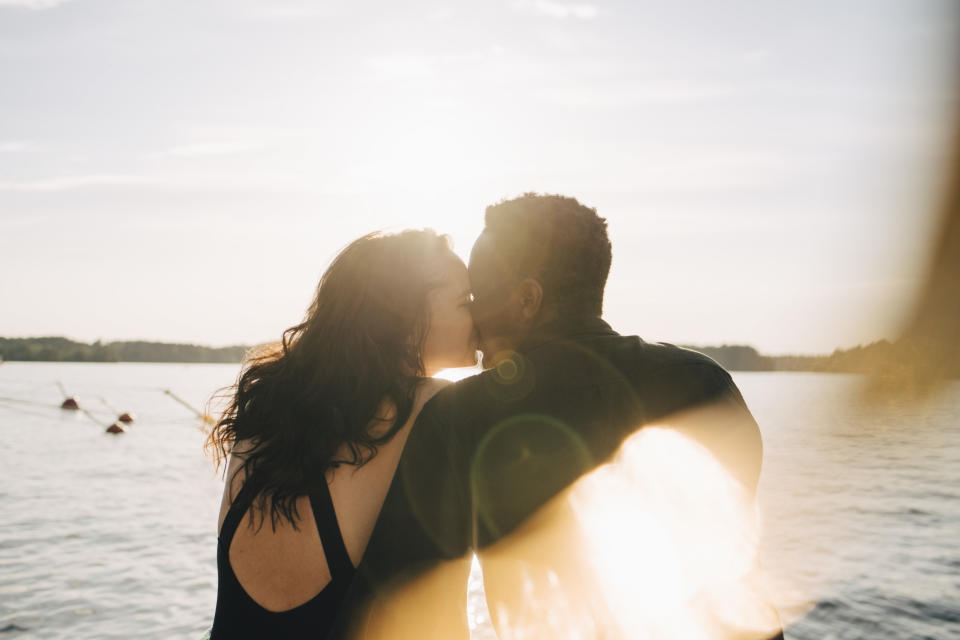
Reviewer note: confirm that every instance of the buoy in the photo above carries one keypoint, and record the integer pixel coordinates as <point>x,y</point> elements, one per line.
<point>69,402</point>
<point>116,427</point>
<point>125,417</point>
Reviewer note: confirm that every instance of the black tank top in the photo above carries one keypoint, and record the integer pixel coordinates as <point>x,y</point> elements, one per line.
<point>237,614</point>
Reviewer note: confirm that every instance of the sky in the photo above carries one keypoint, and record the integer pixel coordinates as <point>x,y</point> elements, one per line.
<point>185,171</point>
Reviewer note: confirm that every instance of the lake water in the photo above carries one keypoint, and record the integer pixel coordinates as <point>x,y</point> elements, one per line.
<point>114,536</point>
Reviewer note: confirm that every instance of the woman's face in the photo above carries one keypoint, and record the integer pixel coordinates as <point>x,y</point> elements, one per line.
<point>452,338</point>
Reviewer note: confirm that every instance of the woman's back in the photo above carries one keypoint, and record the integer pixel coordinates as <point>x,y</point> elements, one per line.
<point>316,424</point>
<point>287,581</point>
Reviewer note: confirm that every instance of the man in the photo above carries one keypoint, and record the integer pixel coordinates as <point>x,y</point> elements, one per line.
<point>561,393</point>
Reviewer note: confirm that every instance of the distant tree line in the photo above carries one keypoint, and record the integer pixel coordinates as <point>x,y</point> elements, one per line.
<point>56,349</point>
<point>883,356</point>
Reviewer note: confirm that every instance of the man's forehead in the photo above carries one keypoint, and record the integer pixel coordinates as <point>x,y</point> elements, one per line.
<point>484,258</point>
<point>482,248</point>
<point>488,268</point>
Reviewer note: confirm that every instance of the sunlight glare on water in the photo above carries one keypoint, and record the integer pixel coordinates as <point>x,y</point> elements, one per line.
<point>672,537</point>
<point>115,536</point>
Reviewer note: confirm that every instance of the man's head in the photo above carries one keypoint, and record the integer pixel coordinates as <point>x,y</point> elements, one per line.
<point>539,257</point>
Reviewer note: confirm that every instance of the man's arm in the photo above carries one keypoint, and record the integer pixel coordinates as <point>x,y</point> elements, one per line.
<point>424,594</point>
<point>700,400</point>
<point>724,425</point>
<point>663,496</point>
<point>435,472</point>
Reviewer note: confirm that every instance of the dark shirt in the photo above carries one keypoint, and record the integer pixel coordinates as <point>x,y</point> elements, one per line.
<point>488,451</point>
<point>238,616</point>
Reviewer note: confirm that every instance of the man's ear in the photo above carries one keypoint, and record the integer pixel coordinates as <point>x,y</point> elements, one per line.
<point>531,298</point>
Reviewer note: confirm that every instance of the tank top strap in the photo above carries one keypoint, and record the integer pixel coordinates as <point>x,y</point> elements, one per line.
<point>338,560</point>
<point>235,513</point>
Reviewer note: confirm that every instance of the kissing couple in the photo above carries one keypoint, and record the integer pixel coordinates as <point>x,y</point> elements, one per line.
<point>359,488</point>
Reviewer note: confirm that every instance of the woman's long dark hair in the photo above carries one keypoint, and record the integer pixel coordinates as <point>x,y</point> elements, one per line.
<point>322,386</point>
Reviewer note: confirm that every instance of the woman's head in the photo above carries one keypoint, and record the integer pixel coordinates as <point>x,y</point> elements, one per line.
<point>390,309</point>
<point>403,298</point>
<point>451,338</point>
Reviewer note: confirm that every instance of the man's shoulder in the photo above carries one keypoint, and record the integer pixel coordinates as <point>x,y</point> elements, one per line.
<point>660,374</point>
<point>451,396</point>
<point>628,353</point>
<point>665,359</point>
<point>666,377</point>
<point>632,353</point>
<point>466,388</point>
<point>663,356</point>
<point>675,378</point>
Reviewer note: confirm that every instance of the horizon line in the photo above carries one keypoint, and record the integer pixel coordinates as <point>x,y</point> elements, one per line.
<point>683,344</point>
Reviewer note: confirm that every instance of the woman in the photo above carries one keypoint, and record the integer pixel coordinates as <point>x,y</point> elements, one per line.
<point>315,428</point>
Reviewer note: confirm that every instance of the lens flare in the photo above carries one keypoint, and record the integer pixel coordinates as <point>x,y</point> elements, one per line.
<point>661,542</point>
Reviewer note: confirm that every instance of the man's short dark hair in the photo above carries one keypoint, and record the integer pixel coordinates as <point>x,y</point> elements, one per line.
<point>558,241</point>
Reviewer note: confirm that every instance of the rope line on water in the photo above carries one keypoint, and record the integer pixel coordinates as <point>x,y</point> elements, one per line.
<point>25,411</point>
<point>205,417</point>
<point>46,405</point>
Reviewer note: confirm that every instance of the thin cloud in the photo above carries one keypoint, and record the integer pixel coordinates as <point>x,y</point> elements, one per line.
<point>221,181</point>
<point>32,4</point>
<point>630,97</point>
<point>421,65</point>
<point>19,221</point>
<point>13,145</point>
<point>559,10</point>
<point>207,149</point>
<point>288,11</point>
<point>72,182</point>
<point>403,65</point>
